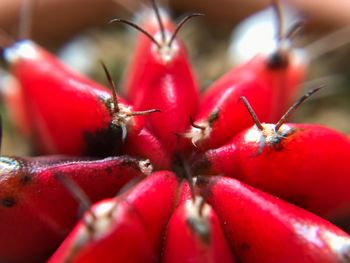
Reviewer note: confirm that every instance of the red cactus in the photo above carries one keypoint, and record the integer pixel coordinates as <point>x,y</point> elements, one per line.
<point>174,214</point>
<point>37,211</point>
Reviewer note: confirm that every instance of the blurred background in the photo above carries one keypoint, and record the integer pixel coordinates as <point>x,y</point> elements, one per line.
<point>78,32</point>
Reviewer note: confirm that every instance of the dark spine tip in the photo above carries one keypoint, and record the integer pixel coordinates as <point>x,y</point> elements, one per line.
<point>180,25</point>
<point>295,106</point>
<point>145,112</point>
<point>117,20</point>
<point>251,112</point>
<point>112,85</point>
<point>159,19</point>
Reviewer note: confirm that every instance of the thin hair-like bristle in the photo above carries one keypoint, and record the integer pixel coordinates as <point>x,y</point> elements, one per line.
<point>118,20</point>
<point>159,19</point>
<point>251,112</point>
<point>295,106</point>
<point>112,85</point>
<point>180,25</point>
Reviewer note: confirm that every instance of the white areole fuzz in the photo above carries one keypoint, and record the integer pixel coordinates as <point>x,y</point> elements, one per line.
<point>269,132</point>
<point>24,49</point>
<point>197,135</point>
<point>166,53</point>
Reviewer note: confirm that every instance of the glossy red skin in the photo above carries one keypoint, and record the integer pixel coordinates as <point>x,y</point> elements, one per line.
<point>262,228</point>
<point>126,241</point>
<point>233,117</point>
<point>148,21</point>
<point>182,244</point>
<point>171,91</point>
<point>184,193</point>
<point>285,82</point>
<point>143,143</point>
<point>64,105</point>
<point>311,169</point>
<point>43,211</point>
<point>217,161</point>
<point>153,200</point>
<point>78,118</point>
<point>153,83</point>
<point>150,203</point>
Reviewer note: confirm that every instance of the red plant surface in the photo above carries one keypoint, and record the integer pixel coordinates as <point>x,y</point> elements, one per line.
<point>174,214</point>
